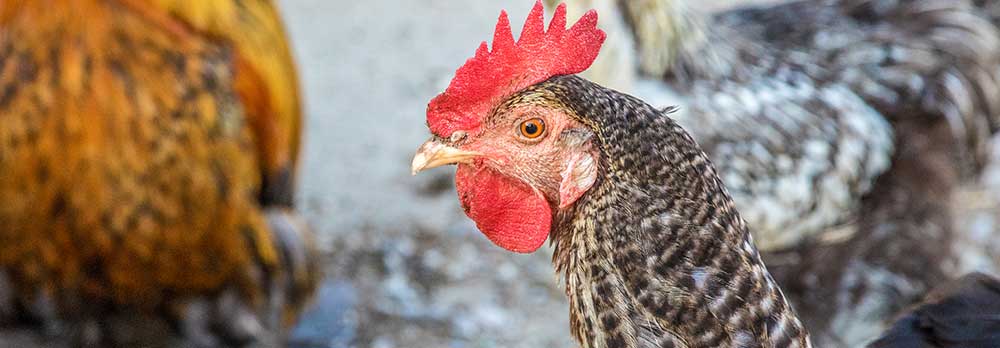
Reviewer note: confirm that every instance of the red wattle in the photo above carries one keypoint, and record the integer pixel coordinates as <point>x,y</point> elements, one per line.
<point>506,210</point>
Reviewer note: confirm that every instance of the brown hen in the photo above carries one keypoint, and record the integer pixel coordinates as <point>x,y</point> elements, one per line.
<point>147,152</point>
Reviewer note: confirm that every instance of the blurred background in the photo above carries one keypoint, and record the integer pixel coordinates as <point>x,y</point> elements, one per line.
<point>407,268</point>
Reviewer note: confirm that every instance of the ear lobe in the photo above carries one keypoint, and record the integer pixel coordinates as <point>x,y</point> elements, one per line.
<point>579,175</point>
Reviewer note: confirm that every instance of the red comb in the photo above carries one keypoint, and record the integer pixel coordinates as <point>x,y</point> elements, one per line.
<point>489,77</point>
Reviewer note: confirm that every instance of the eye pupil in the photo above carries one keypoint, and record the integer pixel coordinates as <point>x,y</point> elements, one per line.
<point>531,128</point>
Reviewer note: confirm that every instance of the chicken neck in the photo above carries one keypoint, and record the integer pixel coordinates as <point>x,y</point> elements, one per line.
<point>655,254</point>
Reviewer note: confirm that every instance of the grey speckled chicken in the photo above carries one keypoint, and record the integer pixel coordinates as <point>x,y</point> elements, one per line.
<point>651,244</point>
<point>841,128</point>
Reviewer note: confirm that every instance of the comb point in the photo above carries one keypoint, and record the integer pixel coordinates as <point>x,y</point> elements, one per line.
<point>503,37</point>
<point>534,26</point>
<point>558,23</point>
<point>589,19</point>
<point>489,77</point>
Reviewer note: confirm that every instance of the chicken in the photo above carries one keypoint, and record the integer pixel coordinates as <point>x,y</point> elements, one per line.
<point>651,245</point>
<point>856,157</point>
<point>148,153</point>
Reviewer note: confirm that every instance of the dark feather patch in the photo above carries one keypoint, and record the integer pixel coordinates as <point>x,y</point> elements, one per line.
<point>964,314</point>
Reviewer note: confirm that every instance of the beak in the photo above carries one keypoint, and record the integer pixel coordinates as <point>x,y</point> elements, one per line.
<point>435,154</point>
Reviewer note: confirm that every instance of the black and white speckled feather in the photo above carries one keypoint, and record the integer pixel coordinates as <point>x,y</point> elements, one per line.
<point>656,254</point>
<point>841,128</point>
<point>909,59</point>
<point>796,154</point>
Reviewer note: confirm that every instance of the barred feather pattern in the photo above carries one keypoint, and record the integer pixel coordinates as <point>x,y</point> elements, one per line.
<point>656,254</point>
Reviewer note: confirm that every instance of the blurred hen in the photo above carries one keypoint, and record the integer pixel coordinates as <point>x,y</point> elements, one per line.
<point>148,152</point>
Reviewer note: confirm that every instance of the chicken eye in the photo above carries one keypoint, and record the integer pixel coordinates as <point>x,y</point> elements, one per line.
<point>533,128</point>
